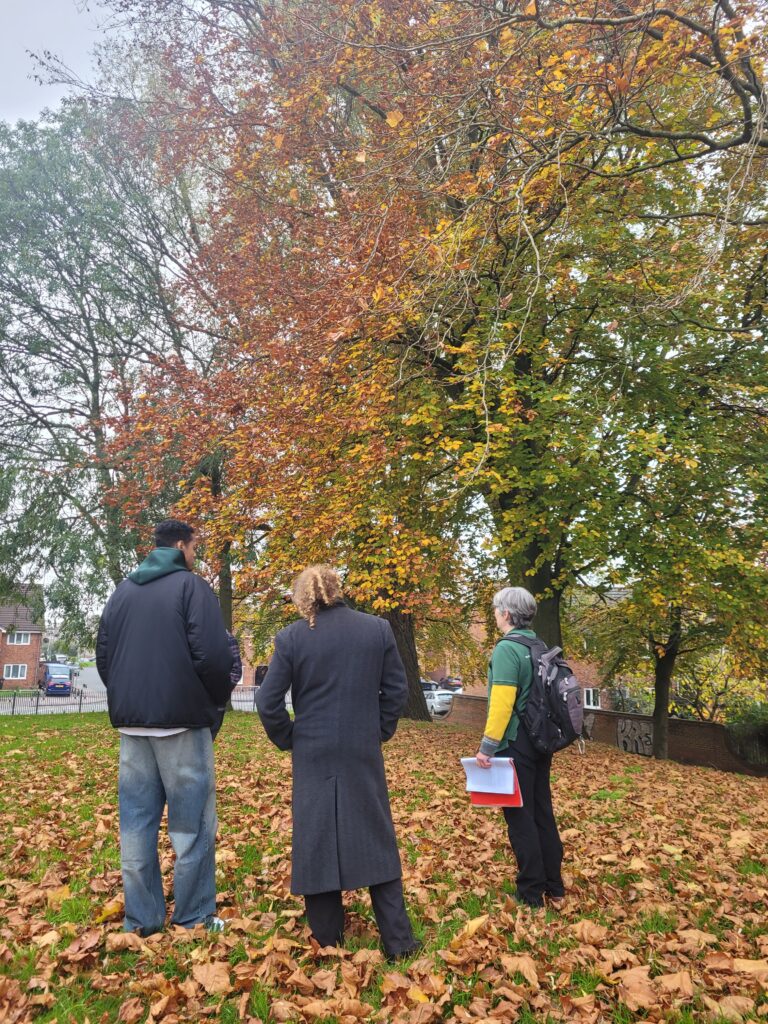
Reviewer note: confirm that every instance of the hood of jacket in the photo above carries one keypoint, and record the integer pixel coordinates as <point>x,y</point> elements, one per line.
<point>159,562</point>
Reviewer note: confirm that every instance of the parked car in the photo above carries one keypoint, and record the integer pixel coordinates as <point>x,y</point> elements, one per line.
<point>438,701</point>
<point>58,680</point>
<point>453,683</point>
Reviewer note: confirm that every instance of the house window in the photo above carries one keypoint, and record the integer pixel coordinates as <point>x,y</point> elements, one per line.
<point>18,638</point>
<point>15,672</point>
<point>592,698</point>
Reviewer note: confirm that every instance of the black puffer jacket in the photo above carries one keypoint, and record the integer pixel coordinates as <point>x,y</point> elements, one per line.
<point>162,651</point>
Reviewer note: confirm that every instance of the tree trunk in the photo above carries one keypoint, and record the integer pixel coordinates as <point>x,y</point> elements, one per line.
<point>544,572</point>
<point>665,656</point>
<point>547,621</point>
<point>225,586</point>
<point>402,627</point>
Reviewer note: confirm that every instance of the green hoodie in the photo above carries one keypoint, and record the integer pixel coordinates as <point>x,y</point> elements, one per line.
<point>159,562</point>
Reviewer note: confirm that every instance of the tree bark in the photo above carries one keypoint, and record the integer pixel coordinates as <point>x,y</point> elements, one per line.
<point>402,626</point>
<point>665,656</point>
<point>225,585</point>
<point>543,573</point>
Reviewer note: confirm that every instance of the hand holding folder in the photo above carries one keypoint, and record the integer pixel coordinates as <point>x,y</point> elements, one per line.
<point>496,786</point>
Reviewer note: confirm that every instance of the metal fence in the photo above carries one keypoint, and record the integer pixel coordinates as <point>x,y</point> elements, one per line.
<point>14,703</point>
<point>244,698</point>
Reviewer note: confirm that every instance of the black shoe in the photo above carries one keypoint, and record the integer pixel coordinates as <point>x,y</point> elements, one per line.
<point>533,904</point>
<point>404,954</point>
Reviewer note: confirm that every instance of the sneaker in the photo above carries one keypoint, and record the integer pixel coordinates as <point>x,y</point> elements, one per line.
<point>558,903</point>
<point>214,924</point>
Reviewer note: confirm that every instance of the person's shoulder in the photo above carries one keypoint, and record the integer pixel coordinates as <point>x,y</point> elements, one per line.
<point>291,631</point>
<point>192,581</point>
<point>364,620</point>
<point>506,649</point>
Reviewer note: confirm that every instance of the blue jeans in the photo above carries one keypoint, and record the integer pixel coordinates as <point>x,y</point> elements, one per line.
<point>177,769</point>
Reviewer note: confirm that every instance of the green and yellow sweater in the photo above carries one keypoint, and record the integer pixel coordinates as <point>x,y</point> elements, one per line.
<point>510,674</point>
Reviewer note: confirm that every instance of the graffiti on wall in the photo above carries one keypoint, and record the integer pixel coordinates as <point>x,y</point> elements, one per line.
<point>635,736</point>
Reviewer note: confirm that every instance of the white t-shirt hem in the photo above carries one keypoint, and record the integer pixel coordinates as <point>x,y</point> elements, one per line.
<point>140,730</point>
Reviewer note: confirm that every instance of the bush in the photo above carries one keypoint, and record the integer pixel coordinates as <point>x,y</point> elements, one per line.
<point>754,714</point>
<point>747,734</point>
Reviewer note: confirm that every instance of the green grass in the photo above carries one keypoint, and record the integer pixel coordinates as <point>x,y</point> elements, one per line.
<point>622,1015</point>
<point>585,981</point>
<point>747,866</point>
<point>655,922</point>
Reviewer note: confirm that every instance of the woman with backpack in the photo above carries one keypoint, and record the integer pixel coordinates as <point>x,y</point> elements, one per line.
<point>532,828</point>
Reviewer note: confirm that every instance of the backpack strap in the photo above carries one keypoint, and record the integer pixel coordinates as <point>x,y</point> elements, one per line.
<point>532,643</point>
<point>526,641</point>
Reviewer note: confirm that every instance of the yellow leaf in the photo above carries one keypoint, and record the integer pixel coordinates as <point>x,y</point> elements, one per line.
<point>470,928</point>
<point>394,117</point>
<point>416,995</point>
<point>111,909</point>
<point>55,897</point>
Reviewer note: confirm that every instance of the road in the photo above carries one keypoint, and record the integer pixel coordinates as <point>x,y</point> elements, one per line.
<point>90,695</point>
<point>91,682</point>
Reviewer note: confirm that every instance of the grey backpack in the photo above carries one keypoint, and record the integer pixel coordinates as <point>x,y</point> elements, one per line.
<point>553,715</point>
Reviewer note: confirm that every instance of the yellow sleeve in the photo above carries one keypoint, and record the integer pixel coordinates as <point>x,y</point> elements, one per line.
<point>500,708</point>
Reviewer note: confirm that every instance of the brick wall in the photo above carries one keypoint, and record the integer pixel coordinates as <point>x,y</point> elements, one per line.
<point>20,654</point>
<point>701,743</point>
<point>468,711</point>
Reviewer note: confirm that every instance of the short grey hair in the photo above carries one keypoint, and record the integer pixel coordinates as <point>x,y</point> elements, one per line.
<point>518,604</point>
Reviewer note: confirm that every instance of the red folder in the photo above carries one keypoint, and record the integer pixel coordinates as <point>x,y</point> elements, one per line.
<point>498,799</point>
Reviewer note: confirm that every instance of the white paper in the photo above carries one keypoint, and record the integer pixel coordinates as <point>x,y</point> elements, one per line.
<point>499,778</point>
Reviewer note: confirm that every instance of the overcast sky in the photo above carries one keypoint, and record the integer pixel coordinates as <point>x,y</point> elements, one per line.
<point>68,28</point>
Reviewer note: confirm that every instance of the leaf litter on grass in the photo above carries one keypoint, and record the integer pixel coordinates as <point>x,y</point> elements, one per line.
<point>662,921</point>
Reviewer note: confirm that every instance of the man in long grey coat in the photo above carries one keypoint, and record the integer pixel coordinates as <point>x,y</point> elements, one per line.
<point>348,689</point>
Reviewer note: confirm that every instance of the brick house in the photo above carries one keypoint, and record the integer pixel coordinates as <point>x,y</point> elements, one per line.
<point>21,643</point>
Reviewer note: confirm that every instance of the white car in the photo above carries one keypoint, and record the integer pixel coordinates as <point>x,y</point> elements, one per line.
<point>439,702</point>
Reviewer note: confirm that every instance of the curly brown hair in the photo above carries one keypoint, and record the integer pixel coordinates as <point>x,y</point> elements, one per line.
<point>318,586</point>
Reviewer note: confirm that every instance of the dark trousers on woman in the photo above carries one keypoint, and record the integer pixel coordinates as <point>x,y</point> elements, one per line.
<point>325,914</point>
<point>532,828</point>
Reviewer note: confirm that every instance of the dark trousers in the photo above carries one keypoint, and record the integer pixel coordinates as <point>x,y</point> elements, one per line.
<point>532,828</point>
<point>325,914</point>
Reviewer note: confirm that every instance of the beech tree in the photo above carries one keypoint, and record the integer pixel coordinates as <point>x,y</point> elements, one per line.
<point>479,238</point>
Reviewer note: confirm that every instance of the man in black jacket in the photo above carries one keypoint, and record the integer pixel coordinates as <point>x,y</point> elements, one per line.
<point>163,655</point>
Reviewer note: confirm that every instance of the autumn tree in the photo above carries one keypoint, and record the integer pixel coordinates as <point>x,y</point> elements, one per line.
<point>510,223</point>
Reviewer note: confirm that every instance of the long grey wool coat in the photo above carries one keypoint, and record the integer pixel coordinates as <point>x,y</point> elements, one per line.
<point>348,689</point>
